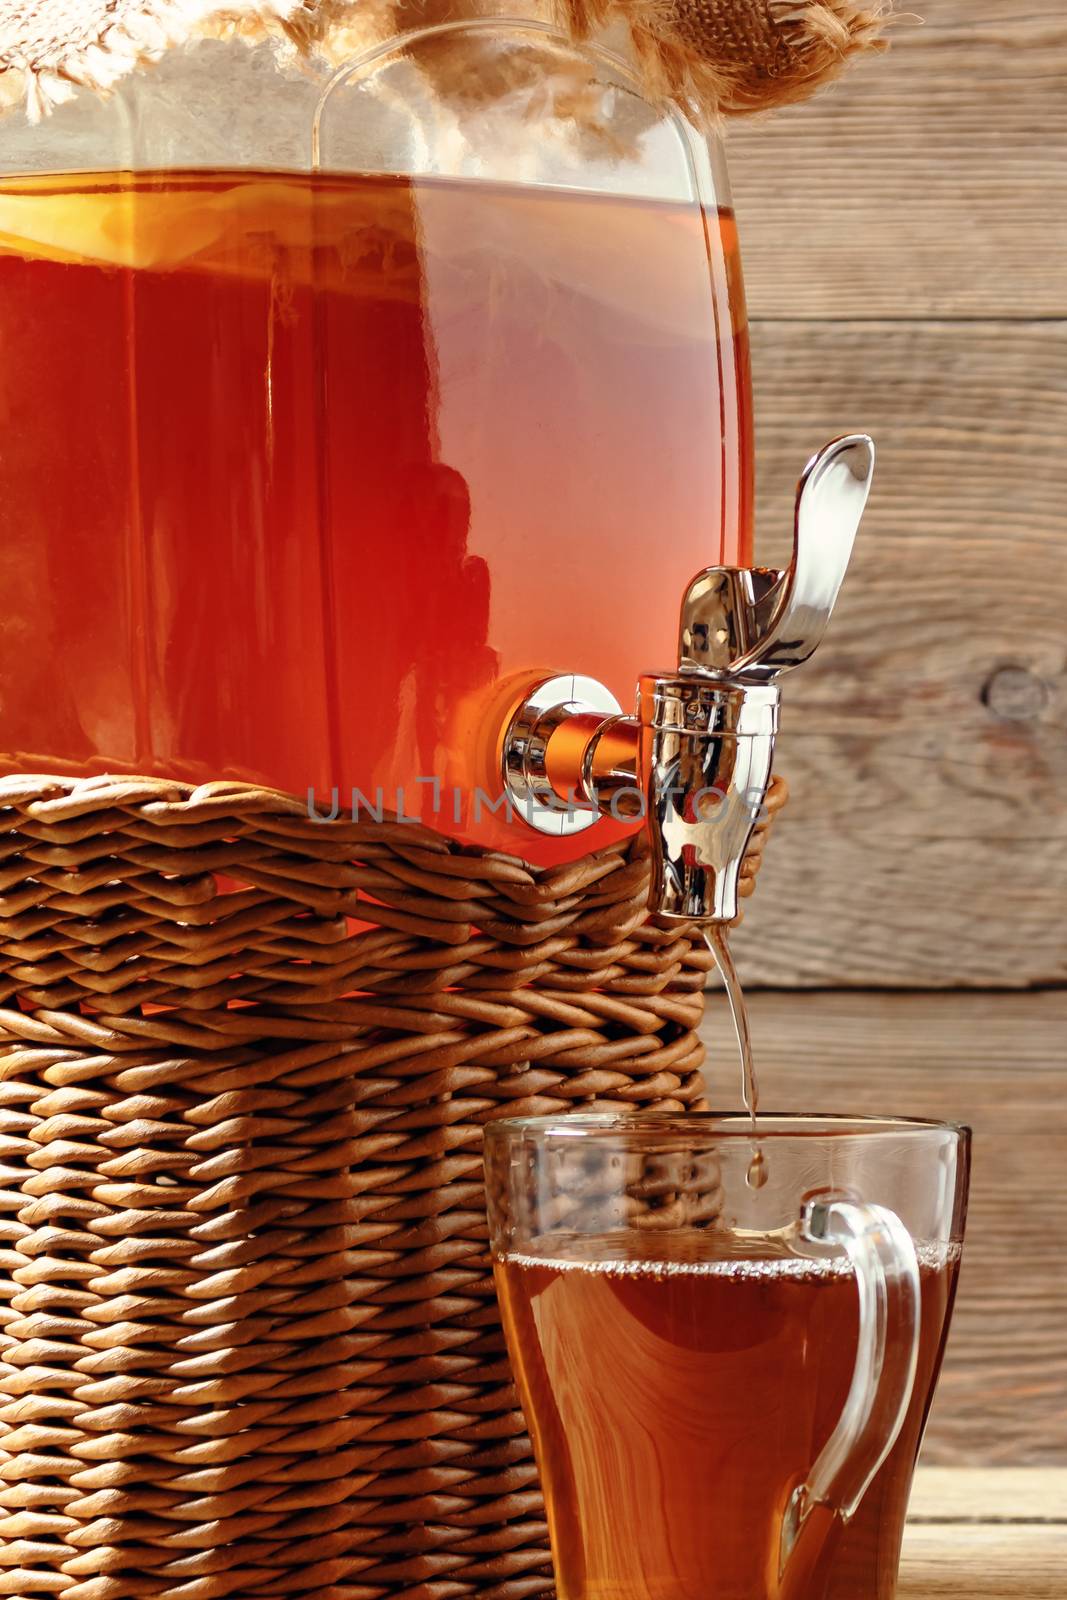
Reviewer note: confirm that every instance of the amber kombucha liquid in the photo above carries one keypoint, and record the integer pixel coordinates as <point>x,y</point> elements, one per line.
<point>296,470</point>
<point>677,1399</point>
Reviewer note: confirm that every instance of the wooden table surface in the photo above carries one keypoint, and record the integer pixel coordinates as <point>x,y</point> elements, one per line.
<point>987,1534</point>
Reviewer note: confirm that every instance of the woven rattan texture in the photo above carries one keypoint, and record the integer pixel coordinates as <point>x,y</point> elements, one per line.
<point>248,1339</point>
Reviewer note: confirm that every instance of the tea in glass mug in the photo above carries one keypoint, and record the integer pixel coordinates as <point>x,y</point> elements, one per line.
<point>726,1386</point>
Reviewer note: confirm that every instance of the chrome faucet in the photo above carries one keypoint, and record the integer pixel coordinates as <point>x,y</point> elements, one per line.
<point>695,761</point>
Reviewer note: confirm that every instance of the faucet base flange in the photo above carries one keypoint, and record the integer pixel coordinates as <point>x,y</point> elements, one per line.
<point>524,754</point>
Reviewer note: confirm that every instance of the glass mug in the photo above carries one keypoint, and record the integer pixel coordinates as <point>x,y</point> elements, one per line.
<point>726,1381</point>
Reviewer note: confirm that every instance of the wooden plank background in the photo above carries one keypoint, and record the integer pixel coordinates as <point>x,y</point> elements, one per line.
<point>905,248</point>
<point>905,245</point>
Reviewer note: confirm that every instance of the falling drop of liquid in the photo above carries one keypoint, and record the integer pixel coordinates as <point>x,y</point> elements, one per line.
<point>720,949</point>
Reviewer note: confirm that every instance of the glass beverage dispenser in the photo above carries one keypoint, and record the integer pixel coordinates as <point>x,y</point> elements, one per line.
<point>366,411</point>
<point>346,405</point>
<point>337,405</point>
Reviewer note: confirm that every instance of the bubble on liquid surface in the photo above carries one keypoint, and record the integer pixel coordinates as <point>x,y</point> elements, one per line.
<point>756,1176</point>
<point>933,1256</point>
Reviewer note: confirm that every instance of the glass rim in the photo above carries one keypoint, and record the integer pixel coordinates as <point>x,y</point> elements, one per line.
<point>725,1125</point>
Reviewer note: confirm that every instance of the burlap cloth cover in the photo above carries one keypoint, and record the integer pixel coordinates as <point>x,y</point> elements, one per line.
<point>248,1339</point>
<point>711,56</point>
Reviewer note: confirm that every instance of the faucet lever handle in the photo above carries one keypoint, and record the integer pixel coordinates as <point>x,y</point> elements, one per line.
<point>720,616</point>
<point>752,623</point>
<point>791,616</point>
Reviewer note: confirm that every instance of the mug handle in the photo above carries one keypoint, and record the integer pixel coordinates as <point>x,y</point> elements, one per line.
<point>886,1269</point>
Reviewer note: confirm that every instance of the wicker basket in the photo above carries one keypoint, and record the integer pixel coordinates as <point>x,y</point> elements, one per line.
<point>248,1339</point>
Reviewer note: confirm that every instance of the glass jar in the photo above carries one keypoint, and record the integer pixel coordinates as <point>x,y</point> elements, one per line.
<point>341,399</point>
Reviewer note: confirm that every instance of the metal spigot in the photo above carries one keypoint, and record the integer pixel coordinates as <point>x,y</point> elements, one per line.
<point>696,759</point>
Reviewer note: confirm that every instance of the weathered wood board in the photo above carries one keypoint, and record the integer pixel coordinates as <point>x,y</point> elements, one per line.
<point>986,1535</point>
<point>929,182</point>
<point>984,1561</point>
<point>981,1534</point>
<point>989,1494</point>
<point>926,741</point>
<point>905,245</point>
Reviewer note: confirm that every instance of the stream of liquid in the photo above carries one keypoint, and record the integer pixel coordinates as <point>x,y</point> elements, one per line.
<point>719,945</point>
